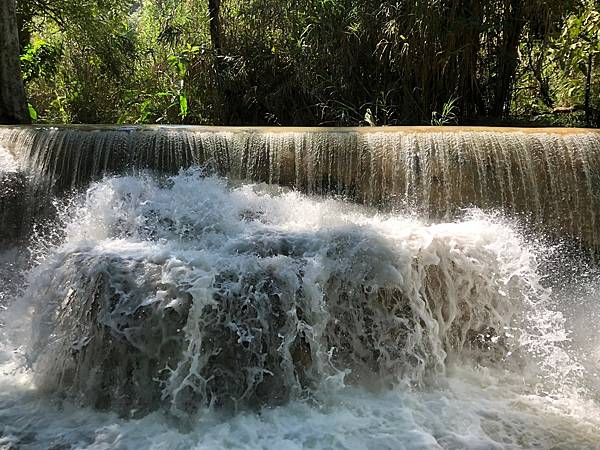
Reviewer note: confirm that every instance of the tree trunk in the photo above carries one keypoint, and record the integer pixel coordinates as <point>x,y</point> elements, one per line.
<point>508,56</point>
<point>24,19</point>
<point>13,105</point>
<point>215,25</point>
<point>471,98</point>
<point>223,95</point>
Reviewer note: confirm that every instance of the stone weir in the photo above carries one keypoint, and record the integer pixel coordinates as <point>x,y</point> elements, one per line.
<point>549,177</point>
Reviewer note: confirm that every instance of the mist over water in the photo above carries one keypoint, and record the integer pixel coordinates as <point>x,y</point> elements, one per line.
<point>195,312</point>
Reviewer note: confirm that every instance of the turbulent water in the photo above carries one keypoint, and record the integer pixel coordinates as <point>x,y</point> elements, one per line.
<point>549,177</point>
<point>195,312</point>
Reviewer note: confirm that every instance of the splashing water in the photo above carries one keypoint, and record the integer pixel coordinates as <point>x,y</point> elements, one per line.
<point>550,176</point>
<point>191,312</point>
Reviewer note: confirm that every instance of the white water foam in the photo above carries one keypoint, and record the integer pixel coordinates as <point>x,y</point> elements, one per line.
<point>7,161</point>
<point>499,371</point>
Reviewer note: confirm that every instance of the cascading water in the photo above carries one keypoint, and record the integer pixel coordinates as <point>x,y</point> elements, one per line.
<point>194,311</point>
<point>550,177</point>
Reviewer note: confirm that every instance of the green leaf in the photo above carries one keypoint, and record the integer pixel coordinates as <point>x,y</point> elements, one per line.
<point>32,112</point>
<point>182,68</point>
<point>183,105</point>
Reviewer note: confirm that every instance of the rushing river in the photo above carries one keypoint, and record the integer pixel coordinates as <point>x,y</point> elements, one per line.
<point>195,312</point>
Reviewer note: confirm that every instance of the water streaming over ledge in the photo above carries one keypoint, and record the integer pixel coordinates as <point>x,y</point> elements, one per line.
<point>140,309</point>
<point>552,176</point>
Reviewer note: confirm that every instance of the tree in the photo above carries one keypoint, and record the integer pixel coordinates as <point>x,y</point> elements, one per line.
<point>13,105</point>
<point>214,20</point>
<point>215,24</point>
<point>508,55</point>
<point>309,62</point>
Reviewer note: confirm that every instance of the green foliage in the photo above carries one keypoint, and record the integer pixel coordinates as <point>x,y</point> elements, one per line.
<point>32,112</point>
<point>40,59</point>
<point>448,114</point>
<point>559,72</point>
<point>312,62</point>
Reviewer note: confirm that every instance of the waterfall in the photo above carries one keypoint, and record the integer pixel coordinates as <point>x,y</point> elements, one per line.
<point>189,287</point>
<point>187,293</point>
<point>550,177</point>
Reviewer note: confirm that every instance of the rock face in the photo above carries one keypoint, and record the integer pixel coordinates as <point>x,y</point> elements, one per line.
<point>13,105</point>
<point>13,199</point>
<point>13,205</point>
<point>114,335</point>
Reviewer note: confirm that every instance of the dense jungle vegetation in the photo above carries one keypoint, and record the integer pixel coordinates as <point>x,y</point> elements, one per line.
<point>312,62</point>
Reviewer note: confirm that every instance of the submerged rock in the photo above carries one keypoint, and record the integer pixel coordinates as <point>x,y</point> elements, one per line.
<point>135,334</point>
<point>238,300</point>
